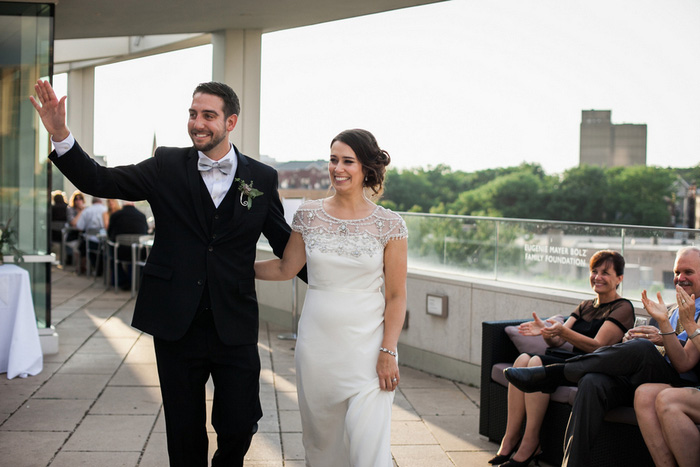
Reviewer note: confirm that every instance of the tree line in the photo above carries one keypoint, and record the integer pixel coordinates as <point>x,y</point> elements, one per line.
<point>636,195</point>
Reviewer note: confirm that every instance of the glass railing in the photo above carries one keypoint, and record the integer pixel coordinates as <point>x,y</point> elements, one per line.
<point>544,254</point>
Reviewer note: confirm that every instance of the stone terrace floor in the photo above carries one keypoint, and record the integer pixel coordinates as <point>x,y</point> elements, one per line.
<point>97,402</point>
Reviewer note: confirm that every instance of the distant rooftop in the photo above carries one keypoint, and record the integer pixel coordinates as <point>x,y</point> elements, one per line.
<point>319,164</point>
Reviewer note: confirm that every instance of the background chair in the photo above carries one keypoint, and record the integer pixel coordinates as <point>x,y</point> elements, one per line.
<point>139,255</point>
<point>70,239</point>
<point>125,243</point>
<point>94,249</point>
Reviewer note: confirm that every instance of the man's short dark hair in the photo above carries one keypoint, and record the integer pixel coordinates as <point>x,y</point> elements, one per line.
<point>231,104</point>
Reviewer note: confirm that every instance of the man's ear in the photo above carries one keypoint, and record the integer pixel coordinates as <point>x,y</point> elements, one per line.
<point>231,122</point>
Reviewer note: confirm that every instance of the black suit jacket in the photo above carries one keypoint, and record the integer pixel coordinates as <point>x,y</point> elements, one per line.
<point>189,255</point>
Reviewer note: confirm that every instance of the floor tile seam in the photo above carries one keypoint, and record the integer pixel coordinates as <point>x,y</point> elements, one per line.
<point>64,278</point>
<point>82,419</point>
<point>416,444</point>
<point>94,402</point>
<point>150,434</point>
<point>96,297</point>
<point>476,403</point>
<point>274,377</point>
<point>101,450</point>
<point>63,364</point>
<point>76,298</point>
<point>120,414</point>
<point>34,431</point>
<point>422,420</point>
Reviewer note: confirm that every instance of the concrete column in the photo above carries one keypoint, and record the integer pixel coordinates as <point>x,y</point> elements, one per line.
<point>237,62</point>
<point>81,106</point>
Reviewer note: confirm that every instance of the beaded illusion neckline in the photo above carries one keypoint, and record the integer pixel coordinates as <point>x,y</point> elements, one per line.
<point>323,208</point>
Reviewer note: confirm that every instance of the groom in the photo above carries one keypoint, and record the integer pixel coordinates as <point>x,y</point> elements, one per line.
<point>197,297</point>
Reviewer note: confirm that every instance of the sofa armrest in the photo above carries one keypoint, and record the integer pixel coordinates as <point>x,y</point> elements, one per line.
<point>496,347</point>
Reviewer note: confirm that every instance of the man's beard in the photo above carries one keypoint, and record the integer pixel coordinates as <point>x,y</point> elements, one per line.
<point>210,145</point>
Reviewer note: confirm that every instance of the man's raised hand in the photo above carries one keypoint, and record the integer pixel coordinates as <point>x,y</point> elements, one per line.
<point>52,111</point>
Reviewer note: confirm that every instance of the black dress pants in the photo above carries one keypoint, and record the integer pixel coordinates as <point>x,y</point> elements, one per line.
<point>597,393</point>
<point>607,378</point>
<point>184,366</point>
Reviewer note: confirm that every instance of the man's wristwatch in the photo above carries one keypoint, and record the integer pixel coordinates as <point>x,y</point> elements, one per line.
<point>695,334</point>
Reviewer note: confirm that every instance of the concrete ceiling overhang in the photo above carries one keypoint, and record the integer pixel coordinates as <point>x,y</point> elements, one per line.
<point>76,19</point>
<point>93,32</point>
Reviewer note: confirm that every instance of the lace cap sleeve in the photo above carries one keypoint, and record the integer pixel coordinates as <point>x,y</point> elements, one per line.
<point>297,221</point>
<point>304,215</point>
<point>396,227</point>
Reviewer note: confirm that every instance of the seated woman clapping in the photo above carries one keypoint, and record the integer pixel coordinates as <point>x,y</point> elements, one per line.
<point>594,323</point>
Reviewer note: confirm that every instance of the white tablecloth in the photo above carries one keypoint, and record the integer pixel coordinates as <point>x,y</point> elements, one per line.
<point>20,348</point>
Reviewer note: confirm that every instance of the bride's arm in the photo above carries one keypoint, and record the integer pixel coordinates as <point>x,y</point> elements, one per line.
<point>293,259</point>
<point>395,270</point>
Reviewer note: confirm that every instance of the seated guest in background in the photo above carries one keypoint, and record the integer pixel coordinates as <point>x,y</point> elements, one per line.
<point>76,205</point>
<point>608,377</point>
<point>593,324</point>
<point>127,220</point>
<point>59,213</point>
<point>91,219</point>
<point>112,207</point>
<point>667,416</point>
<point>75,208</point>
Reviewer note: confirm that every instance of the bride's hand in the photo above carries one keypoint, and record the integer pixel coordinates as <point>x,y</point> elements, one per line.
<point>387,371</point>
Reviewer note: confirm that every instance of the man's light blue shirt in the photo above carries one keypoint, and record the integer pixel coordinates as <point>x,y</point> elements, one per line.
<point>673,319</point>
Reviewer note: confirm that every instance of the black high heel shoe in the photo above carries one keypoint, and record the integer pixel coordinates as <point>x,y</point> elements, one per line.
<point>535,456</point>
<point>501,458</point>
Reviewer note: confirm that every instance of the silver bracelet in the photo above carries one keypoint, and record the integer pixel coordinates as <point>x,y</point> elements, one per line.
<point>667,333</point>
<point>694,334</point>
<point>390,352</point>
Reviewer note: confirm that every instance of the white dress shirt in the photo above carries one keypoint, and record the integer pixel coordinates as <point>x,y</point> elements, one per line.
<point>217,183</point>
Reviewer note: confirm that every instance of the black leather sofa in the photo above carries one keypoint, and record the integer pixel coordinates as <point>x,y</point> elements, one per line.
<point>619,442</point>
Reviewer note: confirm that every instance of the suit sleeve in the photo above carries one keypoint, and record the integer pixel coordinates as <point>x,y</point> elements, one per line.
<point>131,182</point>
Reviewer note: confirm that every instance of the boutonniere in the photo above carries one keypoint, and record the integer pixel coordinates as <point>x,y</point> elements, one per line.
<point>248,191</point>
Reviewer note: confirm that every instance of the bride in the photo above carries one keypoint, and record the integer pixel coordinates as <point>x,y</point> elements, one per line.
<point>346,351</point>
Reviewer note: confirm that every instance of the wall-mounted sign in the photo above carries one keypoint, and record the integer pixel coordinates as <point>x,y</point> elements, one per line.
<point>436,305</point>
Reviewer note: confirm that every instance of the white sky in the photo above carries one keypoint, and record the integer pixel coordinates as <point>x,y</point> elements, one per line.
<point>472,84</point>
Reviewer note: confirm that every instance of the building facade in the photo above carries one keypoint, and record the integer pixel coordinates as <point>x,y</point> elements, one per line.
<point>606,144</point>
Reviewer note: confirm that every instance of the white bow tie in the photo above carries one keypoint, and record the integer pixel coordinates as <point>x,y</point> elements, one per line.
<point>205,165</point>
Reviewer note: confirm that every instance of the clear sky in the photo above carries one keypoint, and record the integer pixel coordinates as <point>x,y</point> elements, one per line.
<point>472,84</point>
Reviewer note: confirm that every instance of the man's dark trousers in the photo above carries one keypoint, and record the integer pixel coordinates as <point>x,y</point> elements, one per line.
<point>186,364</point>
<point>608,379</point>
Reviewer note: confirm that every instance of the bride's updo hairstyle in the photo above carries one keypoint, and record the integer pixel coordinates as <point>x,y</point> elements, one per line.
<point>373,159</point>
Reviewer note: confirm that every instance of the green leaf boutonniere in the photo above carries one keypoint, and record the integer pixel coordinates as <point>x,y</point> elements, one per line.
<point>248,191</point>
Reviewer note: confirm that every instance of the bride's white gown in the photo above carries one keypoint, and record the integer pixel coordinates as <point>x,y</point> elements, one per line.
<point>346,418</point>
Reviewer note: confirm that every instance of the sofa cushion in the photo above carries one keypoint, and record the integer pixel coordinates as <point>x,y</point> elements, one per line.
<point>532,344</point>
<point>563,394</point>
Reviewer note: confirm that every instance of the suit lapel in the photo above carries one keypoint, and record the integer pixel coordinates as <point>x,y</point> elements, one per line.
<point>232,200</point>
<point>194,180</point>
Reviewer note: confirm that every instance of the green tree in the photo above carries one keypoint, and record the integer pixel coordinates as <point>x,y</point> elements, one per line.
<point>408,188</point>
<point>631,195</point>
<point>641,195</point>
<point>581,195</point>
<point>523,194</point>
